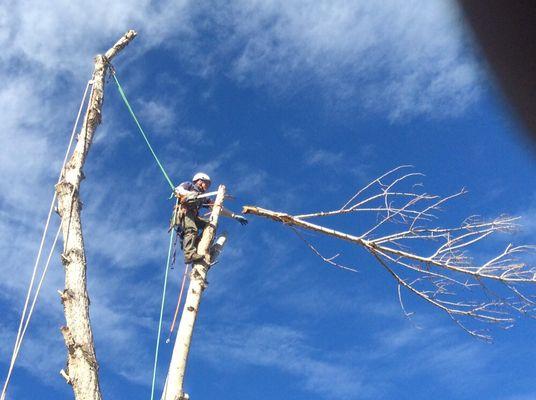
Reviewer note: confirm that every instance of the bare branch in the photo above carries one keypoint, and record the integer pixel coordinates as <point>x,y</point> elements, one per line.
<point>327,260</point>
<point>377,180</point>
<point>356,206</point>
<point>432,262</point>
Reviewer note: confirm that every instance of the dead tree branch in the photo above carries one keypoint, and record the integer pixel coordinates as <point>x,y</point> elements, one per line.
<point>430,261</point>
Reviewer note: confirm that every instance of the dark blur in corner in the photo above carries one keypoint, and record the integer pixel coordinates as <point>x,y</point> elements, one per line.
<point>506,33</point>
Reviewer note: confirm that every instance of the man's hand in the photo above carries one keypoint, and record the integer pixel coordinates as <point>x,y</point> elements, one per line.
<point>241,219</point>
<point>191,197</point>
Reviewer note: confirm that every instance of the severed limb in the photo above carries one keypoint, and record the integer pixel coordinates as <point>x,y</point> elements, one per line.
<point>432,262</point>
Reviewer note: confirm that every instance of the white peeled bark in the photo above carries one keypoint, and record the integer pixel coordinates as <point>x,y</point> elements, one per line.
<point>173,389</point>
<point>82,367</point>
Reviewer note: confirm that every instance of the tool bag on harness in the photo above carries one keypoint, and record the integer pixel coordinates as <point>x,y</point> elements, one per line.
<point>176,220</point>
<point>180,209</point>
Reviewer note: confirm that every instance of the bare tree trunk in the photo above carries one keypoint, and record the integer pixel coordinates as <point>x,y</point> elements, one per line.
<point>173,389</point>
<point>82,364</point>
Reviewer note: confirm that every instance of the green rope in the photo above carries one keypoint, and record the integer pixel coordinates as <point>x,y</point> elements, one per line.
<point>122,93</point>
<point>161,314</point>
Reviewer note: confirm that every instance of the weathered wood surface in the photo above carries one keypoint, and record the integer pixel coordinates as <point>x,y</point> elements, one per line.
<point>82,367</point>
<point>173,389</point>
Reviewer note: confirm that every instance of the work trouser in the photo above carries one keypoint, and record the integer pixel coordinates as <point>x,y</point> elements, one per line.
<point>191,223</point>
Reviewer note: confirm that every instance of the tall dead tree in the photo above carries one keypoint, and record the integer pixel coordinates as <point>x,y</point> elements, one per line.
<point>82,367</point>
<point>173,389</point>
<point>430,261</point>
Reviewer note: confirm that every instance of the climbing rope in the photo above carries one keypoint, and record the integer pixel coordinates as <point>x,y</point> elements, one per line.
<point>25,319</point>
<point>41,280</point>
<point>169,257</point>
<point>161,313</point>
<point>179,301</point>
<point>124,97</point>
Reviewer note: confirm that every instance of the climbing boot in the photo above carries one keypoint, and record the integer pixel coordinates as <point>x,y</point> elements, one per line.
<point>217,247</point>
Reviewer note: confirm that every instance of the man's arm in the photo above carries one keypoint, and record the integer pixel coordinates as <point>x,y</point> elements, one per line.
<point>182,191</point>
<point>237,217</point>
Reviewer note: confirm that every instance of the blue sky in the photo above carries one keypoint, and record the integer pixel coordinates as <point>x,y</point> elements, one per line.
<point>294,106</point>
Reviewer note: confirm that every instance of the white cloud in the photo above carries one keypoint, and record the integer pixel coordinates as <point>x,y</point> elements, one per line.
<point>324,158</point>
<point>24,149</point>
<point>401,58</point>
<point>195,136</point>
<point>159,115</point>
<point>528,220</point>
<point>42,355</point>
<point>60,36</point>
<point>361,372</point>
<point>285,349</point>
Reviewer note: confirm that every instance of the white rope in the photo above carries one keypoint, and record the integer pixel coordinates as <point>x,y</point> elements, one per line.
<point>12,362</point>
<point>34,301</point>
<point>25,319</point>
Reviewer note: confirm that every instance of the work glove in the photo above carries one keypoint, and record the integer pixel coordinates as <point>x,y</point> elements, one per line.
<point>241,219</point>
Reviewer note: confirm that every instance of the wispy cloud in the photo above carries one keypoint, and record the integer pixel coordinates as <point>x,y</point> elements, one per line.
<point>324,158</point>
<point>528,219</point>
<point>159,115</point>
<point>416,64</point>
<point>42,356</point>
<point>363,372</point>
<point>286,349</point>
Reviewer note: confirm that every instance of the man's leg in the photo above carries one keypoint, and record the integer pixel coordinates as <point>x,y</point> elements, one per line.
<point>189,241</point>
<point>201,223</point>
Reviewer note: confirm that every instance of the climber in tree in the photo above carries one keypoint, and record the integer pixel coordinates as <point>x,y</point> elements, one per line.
<point>186,217</point>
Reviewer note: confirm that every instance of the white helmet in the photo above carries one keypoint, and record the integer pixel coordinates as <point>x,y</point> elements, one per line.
<point>202,176</point>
